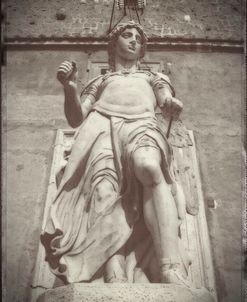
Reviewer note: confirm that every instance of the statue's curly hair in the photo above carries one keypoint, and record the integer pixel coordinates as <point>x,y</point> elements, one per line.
<point>114,35</point>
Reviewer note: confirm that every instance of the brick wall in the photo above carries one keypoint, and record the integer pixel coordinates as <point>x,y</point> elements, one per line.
<point>210,19</point>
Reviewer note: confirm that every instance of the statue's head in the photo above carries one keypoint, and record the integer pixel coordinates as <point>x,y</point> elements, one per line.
<point>117,40</point>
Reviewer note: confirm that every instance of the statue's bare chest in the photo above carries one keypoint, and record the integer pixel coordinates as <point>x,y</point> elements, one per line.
<point>128,82</point>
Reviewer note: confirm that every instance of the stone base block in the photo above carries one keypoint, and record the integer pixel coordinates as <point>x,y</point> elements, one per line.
<point>122,292</point>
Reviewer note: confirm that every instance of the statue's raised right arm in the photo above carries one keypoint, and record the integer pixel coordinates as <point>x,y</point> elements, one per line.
<point>75,110</point>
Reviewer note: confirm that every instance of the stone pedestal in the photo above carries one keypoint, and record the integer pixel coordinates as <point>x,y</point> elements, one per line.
<point>101,292</point>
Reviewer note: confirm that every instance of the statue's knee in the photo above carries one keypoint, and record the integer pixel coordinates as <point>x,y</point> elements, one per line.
<point>104,190</point>
<point>148,171</point>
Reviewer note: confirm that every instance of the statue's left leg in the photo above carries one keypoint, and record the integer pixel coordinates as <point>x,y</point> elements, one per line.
<point>160,212</point>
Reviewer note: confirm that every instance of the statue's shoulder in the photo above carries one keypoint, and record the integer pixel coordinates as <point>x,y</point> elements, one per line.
<point>161,76</point>
<point>154,75</point>
<point>145,72</point>
<point>95,80</point>
<point>92,84</point>
<point>159,79</point>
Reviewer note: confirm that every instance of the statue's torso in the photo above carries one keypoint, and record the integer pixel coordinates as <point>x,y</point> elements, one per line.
<point>129,93</point>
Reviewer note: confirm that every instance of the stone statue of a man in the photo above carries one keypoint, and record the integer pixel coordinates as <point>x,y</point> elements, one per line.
<point>115,216</point>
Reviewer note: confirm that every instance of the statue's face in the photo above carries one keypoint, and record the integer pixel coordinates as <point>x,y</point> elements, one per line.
<point>128,45</point>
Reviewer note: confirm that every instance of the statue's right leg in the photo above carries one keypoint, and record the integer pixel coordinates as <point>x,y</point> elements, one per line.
<point>114,270</point>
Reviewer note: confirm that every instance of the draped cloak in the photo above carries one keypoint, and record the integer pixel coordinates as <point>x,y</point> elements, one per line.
<point>85,225</point>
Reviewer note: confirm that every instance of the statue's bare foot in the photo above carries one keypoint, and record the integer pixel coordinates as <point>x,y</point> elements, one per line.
<point>174,275</point>
<point>117,280</point>
<point>115,270</point>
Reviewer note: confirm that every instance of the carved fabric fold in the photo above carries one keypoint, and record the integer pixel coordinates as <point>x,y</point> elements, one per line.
<point>99,200</point>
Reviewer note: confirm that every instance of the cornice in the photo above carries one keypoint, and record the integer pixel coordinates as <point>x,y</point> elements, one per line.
<point>200,45</point>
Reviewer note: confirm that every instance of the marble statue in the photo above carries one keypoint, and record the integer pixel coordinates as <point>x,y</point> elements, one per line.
<point>117,211</point>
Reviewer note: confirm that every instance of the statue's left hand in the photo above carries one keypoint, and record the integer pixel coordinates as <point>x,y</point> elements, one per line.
<point>172,107</point>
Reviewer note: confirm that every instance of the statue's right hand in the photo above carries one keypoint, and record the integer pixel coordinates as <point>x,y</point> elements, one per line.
<point>67,73</point>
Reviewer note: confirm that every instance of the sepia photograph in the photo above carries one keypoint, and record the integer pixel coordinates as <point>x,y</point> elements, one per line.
<point>123,151</point>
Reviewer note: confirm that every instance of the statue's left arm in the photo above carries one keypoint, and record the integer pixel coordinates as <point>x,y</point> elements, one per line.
<point>165,96</point>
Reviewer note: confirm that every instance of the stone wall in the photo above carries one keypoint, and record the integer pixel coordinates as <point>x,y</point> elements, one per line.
<point>209,84</point>
<point>211,19</point>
